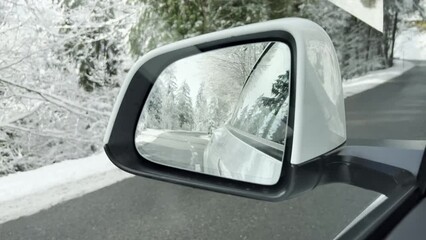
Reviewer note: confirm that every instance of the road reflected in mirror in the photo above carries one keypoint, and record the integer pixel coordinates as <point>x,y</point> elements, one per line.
<point>222,113</point>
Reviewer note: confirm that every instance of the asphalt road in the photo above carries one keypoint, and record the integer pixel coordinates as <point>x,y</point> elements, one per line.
<point>395,110</point>
<point>139,208</point>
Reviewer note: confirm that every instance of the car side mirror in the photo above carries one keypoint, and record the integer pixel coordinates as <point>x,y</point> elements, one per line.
<point>244,111</point>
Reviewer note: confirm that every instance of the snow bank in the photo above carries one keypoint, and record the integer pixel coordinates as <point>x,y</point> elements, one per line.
<point>206,137</point>
<point>374,78</point>
<point>149,135</point>
<point>25,193</point>
<point>411,44</point>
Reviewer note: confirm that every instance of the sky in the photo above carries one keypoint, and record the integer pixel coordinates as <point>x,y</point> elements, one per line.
<point>191,70</point>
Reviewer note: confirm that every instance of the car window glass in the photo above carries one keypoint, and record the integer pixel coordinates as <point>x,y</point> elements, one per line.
<point>262,109</point>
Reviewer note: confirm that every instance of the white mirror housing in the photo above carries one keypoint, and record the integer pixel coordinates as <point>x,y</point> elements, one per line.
<point>317,115</point>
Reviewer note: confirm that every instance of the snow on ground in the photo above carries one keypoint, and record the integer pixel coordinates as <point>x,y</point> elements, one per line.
<point>25,193</point>
<point>148,135</point>
<point>374,78</point>
<point>206,137</point>
<point>411,44</point>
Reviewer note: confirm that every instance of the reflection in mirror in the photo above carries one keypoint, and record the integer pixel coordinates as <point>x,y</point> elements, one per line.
<point>221,113</point>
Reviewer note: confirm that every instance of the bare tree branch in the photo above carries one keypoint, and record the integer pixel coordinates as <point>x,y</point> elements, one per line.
<point>59,101</point>
<point>50,135</point>
<point>20,116</point>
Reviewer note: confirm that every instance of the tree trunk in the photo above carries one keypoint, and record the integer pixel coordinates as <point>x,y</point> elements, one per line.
<point>395,26</point>
<point>367,54</point>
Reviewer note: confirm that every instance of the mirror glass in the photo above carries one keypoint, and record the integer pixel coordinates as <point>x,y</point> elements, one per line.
<point>222,113</point>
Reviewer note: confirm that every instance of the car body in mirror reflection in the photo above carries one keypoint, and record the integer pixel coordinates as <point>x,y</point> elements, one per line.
<point>237,155</point>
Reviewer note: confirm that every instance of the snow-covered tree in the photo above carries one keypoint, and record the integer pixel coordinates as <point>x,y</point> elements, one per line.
<point>280,91</point>
<point>237,62</point>
<point>97,51</point>
<point>201,117</point>
<point>154,107</point>
<point>46,116</point>
<point>169,110</point>
<point>214,114</point>
<point>360,48</point>
<point>228,70</point>
<point>185,112</point>
<point>165,21</point>
<point>277,109</point>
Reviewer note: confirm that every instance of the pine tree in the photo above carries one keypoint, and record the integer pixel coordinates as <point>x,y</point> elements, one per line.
<point>275,121</point>
<point>240,117</point>
<point>280,91</point>
<point>155,106</point>
<point>165,21</point>
<point>184,107</point>
<point>201,110</point>
<point>95,51</point>
<point>369,3</point>
<point>284,8</point>
<point>214,114</point>
<point>169,109</point>
<point>255,119</point>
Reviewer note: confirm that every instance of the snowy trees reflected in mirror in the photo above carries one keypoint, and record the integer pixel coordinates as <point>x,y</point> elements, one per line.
<point>222,112</point>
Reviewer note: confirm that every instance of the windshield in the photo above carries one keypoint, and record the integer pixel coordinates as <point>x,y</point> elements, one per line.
<point>63,62</point>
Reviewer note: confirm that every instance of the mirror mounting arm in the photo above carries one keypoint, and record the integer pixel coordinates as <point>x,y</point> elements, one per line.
<point>371,171</point>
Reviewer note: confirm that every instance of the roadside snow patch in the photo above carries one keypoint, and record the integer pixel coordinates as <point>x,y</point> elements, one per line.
<point>149,135</point>
<point>375,78</point>
<point>25,193</point>
<point>206,137</point>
